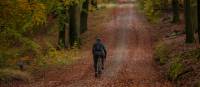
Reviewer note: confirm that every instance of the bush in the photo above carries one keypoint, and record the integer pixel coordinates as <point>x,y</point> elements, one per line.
<point>8,75</point>
<point>55,57</point>
<point>175,70</point>
<point>161,53</point>
<point>6,58</point>
<point>149,6</point>
<point>192,54</point>
<point>3,60</point>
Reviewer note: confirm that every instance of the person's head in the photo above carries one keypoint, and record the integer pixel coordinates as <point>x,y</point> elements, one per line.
<point>98,40</point>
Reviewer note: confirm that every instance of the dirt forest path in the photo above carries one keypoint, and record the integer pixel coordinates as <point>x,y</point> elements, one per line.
<point>129,62</point>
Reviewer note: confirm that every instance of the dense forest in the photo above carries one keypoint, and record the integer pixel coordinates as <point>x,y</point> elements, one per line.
<point>177,49</point>
<point>42,38</point>
<point>34,31</point>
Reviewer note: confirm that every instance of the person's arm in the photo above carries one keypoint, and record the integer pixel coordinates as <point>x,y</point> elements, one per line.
<point>104,48</point>
<point>93,49</point>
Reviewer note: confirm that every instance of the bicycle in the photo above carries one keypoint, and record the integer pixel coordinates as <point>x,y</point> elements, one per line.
<point>99,67</point>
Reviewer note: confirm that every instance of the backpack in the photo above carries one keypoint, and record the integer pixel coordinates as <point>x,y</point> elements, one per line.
<point>98,49</point>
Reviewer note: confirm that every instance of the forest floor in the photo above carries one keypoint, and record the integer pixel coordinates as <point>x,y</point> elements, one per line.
<point>129,63</point>
<point>171,48</point>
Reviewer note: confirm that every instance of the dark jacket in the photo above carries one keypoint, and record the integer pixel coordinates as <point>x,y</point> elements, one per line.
<point>103,52</point>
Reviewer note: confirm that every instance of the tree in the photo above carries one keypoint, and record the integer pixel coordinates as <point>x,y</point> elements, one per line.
<point>198,9</point>
<point>188,25</point>
<point>62,40</point>
<point>175,5</point>
<point>84,16</point>
<point>74,24</point>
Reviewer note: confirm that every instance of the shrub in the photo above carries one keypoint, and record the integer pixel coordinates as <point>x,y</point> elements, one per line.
<point>8,75</point>
<point>6,58</point>
<point>161,53</point>
<point>3,60</point>
<point>175,70</point>
<point>149,6</point>
<point>55,57</point>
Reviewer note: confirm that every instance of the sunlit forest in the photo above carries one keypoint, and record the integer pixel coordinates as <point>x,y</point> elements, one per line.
<point>99,43</point>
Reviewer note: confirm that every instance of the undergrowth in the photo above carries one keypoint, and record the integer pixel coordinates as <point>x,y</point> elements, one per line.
<point>176,68</point>
<point>161,53</point>
<point>55,57</point>
<point>9,75</point>
<point>32,59</point>
<point>148,7</point>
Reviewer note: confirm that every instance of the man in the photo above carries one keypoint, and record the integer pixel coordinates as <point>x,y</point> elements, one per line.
<point>98,51</point>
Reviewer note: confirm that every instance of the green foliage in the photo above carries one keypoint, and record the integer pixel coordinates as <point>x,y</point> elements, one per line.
<point>19,18</point>
<point>10,38</point>
<point>8,57</point>
<point>176,69</point>
<point>149,7</point>
<point>21,14</point>
<point>8,75</point>
<point>71,2</point>
<point>20,24</point>
<point>161,53</point>
<point>3,59</point>
<point>54,57</point>
<point>192,54</point>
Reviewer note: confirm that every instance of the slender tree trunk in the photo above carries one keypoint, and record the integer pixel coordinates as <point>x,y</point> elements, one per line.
<point>74,25</point>
<point>62,39</point>
<point>175,5</point>
<point>84,16</point>
<point>198,7</point>
<point>188,26</point>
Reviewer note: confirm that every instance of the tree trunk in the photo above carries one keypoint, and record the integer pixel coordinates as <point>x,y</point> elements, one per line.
<point>74,25</point>
<point>188,26</point>
<point>62,39</point>
<point>175,5</point>
<point>84,16</point>
<point>198,7</point>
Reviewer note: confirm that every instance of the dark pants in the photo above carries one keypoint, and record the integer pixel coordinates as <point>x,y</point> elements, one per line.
<point>95,59</point>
